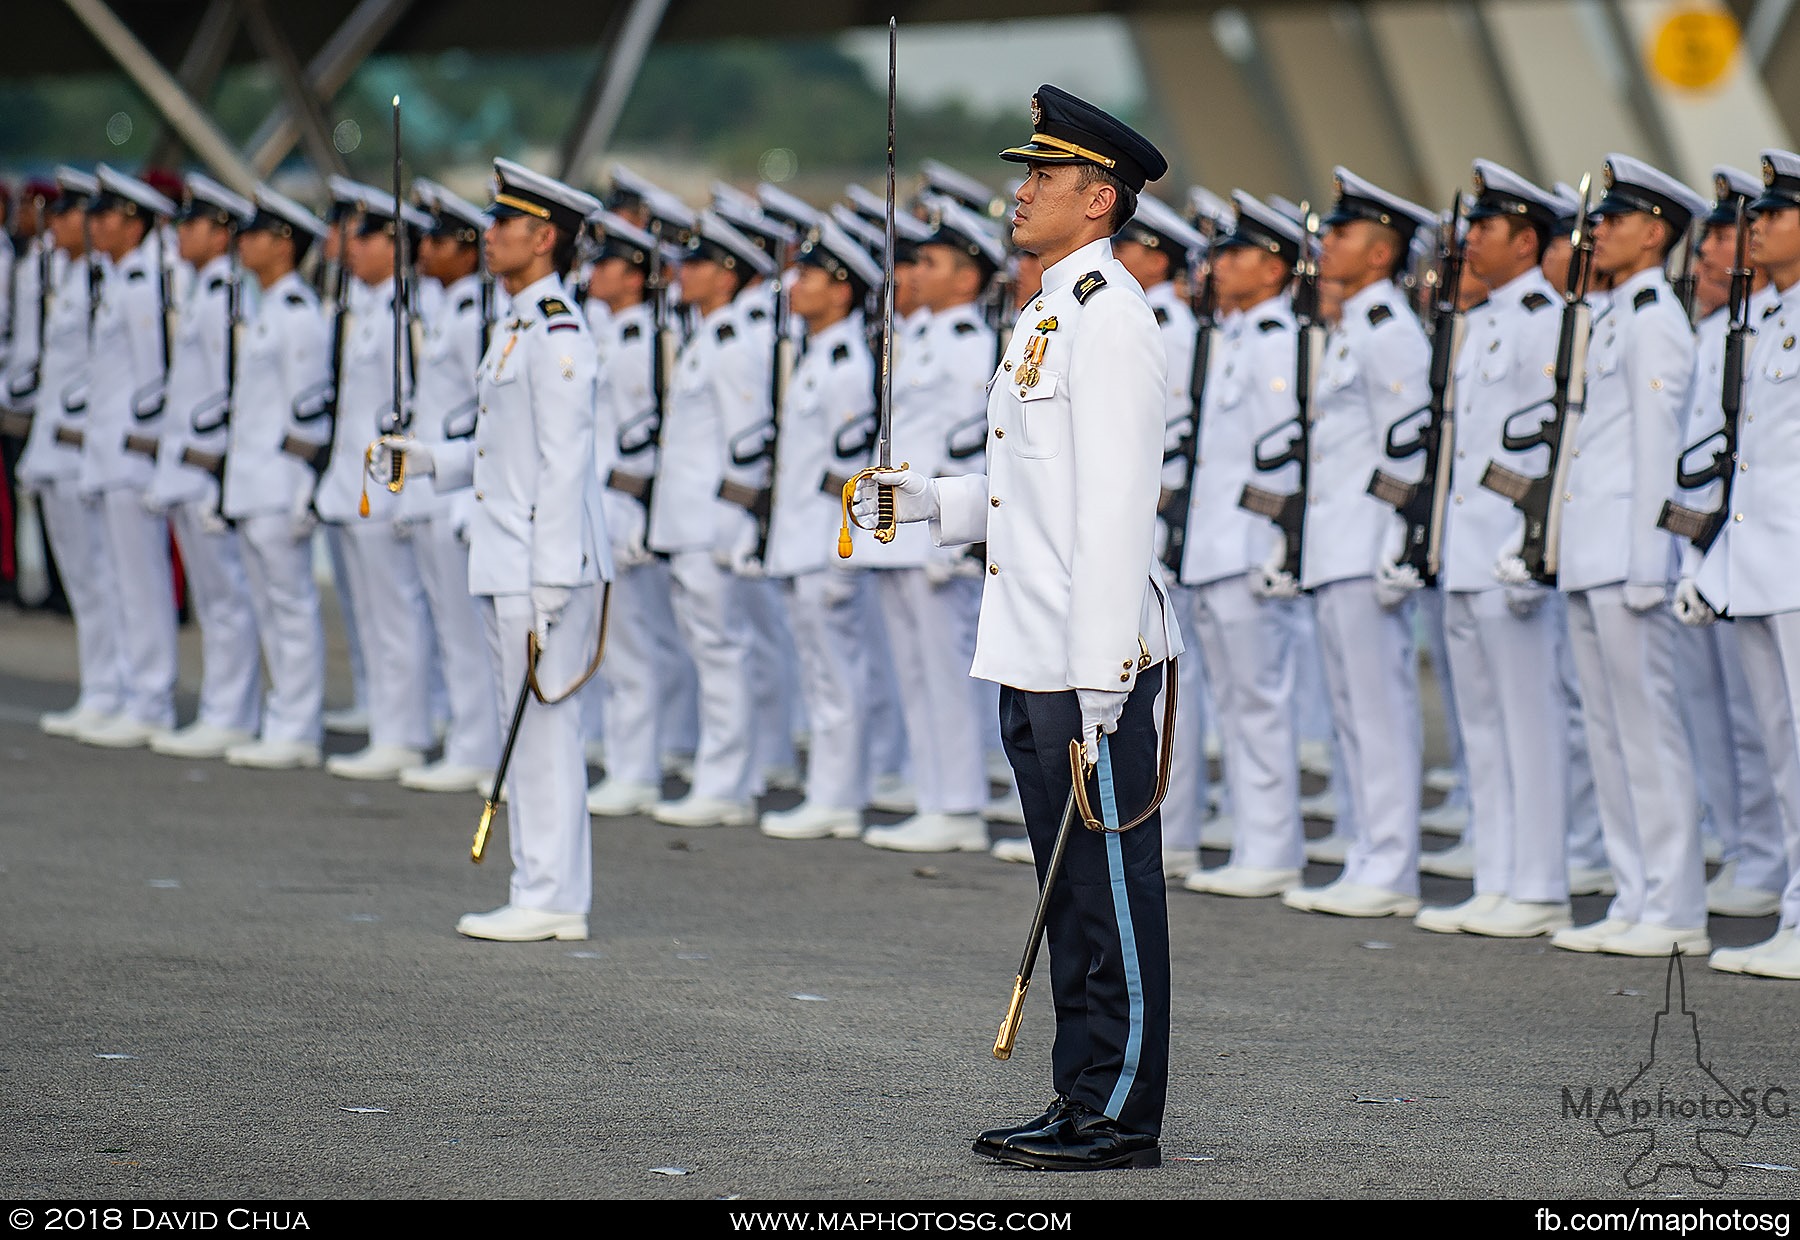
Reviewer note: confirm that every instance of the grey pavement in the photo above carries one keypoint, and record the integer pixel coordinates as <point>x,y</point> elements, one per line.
<point>226,984</point>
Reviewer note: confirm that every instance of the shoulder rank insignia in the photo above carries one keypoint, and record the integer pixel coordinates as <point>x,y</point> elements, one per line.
<point>631,331</point>
<point>1380,313</point>
<point>465,305</point>
<point>1269,325</point>
<point>963,328</point>
<point>1049,324</point>
<point>215,284</point>
<point>295,299</point>
<point>1534,300</point>
<point>137,273</point>
<point>553,306</point>
<point>758,314</point>
<point>1645,297</point>
<point>1088,285</point>
<point>841,353</point>
<point>726,332</point>
<point>1162,316</point>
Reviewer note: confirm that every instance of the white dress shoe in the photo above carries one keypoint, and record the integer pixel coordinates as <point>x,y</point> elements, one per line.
<point>351,721</point>
<point>1724,898</point>
<point>375,762</point>
<point>120,732</point>
<point>932,833</point>
<point>1441,778</point>
<point>893,795</point>
<point>199,740</point>
<point>444,777</point>
<point>620,798</point>
<point>1327,849</point>
<point>1586,880</point>
<point>1247,882</point>
<point>1217,831</point>
<point>510,924</point>
<point>807,821</point>
<point>1645,939</point>
<point>69,722</point>
<point>1518,919</point>
<point>274,755</point>
<point>1589,937</point>
<point>1006,808</point>
<point>1780,957</point>
<point>1457,861</point>
<point>1445,818</point>
<point>1736,959</point>
<point>1180,862</point>
<point>1342,899</point>
<point>695,811</point>
<point>1012,848</point>
<point>1449,919</point>
<point>1315,758</point>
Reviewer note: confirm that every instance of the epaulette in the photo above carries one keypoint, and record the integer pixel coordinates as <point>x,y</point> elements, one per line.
<point>1270,325</point>
<point>1645,297</point>
<point>297,299</point>
<point>1088,285</point>
<point>631,331</point>
<point>726,332</point>
<point>841,353</point>
<point>465,305</point>
<point>1534,300</point>
<point>553,306</point>
<point>963,328</point>
<point>1162,316</point>
<point>758,314</point>
<point>215,284</point>
<point>1380,313</point>
<point>136,274</point>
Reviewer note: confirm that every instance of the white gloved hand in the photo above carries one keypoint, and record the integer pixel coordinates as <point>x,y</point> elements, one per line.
<point>213,523</point>
<point>1100,711</point>
<point>153,504</point>
<point>419,461</point>
<point>547,604</point>
<point>626,525</point>
<point>915,496</point>
<point>302,520</point>
<point>1690,607</point>
<point>1510,570</point>
<point>1524,600</point>
<point>1272,581</point>
<point>1395,583</point>
<point>1644,598</point>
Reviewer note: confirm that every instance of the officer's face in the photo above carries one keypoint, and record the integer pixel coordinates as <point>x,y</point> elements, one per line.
<point>1775,239</point>
<point>512,244</point>
<point>66,230</point>
<point>1244,275</point>
<point>371,257</point>
<point>1718,250</point>
<point>1495,252</point>
<point>943,279</point>
<point>1147,266</point>
<point>616,282</point>
<point>1628,242</point>
<point>107,229</point>
<point>1054,208</point>
<point>201,241</point>
<point>815,294</point>
<point>906,288</point>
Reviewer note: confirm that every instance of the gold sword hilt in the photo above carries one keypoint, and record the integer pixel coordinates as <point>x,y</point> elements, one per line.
<point>481,830</point>
<point>1009,1024</point>
<point>885,526</point>
<point>396,470</point>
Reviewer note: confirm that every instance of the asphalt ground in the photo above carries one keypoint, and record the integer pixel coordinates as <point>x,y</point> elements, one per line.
<point>229,985</point>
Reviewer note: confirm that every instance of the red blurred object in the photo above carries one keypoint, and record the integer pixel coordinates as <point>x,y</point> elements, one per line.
<point>164,182</point>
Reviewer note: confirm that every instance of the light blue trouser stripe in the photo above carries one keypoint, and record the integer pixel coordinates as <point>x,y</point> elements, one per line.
<point>1134,981</point>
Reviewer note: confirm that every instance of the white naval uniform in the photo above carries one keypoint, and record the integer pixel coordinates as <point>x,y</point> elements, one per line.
<point>1248,643</point>
<point>537,522</point>
<point>1375,372</point>
<point>282,390</point>
<point>195,421</point>
<point>387,595</point>
<point>1509,694</point>
<point>1748,572</point>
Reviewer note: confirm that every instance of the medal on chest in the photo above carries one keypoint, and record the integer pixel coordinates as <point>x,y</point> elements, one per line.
<point>1035,349</point>
<point>506,351</point>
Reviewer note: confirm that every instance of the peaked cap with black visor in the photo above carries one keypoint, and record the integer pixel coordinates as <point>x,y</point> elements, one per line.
<point>1067,130</point>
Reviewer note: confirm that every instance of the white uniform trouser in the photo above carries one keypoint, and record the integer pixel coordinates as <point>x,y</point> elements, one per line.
<point>1770,646</point>
<point>933,648</point>
<point>137,552</point>
<point>388,603</point>
<point>1643,771</point>
<point>286,598</point>
<point>885,722</point>
<point>829,623</point>
<point>1587,843</point>
<point>1514,717</point>
<point>1430,623</point>
<point>548,828</point>
<point>1248,646</point>
<point>337,541</point>
<point>1371,669</point>
<point>230,662</point>
<point>1184,809</point>
<point>710,610</point>
<point>641,695</point>
<point>473,738</point>
<point>1731,760</point>
<point>1312,700</point>
<point>772,665</point>
<point>72,525</point>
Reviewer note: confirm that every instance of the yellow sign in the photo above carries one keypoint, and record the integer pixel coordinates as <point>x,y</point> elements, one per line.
<point>1694,48</point>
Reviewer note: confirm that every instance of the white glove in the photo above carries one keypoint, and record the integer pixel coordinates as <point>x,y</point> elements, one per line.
<point>547,604</point>
<point>1689,607</point>
<point>153,504</point>
<point>419,462</point>
<point>1510,570</point>
<point>1100,711</point>
<point>1524,600</point>
<point>302,520</point>
<point>1395,583</point>
<point>1644,598</point>
<point>915,496</point>
<point>213,523</point>
<point>1272,581</point>
<point>627,531</point>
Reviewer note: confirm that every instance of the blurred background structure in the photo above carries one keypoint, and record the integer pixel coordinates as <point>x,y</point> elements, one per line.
<point>1266,95</point>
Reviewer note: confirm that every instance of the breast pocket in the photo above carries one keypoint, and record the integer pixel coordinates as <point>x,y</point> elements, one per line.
<point>1494,362</point>
<point>1042,418</point>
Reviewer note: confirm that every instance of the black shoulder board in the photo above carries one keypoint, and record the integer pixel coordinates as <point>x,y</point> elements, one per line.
<point>137,274</point>
<point>295,299</point>
<point>1379,313</point>
<point>1645,297</point>
<point>1162,316</point>
<point>465,305</point>
<point>1088,285</point>
<point>215,284</point>
<point>553,306</point>
<point>963,328</point>
<point>1269,325</point>
<point>758,314</point>
<point>631,331</point>
<point>1771,308</point>
<point>1534,300</point>
<point>841,353</point>
<point>726,332</point>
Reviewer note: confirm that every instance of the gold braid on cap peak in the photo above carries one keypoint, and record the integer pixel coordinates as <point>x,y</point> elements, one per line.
<point>523,204</point>
<point>1071,149</point>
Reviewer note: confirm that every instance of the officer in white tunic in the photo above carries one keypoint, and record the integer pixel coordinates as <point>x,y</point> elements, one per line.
<point>1748,571</point>
<point>1075,625</point>
<point>538,552</point>
<point>1375,373</point>
<point>278,437</point>
<point>190,463</point>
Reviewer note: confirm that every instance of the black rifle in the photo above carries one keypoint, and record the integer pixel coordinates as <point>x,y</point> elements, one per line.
<point>645,433</point>
<point>1173,506</point>
<point>1702,528</point>
<point>1421,504</point>
<point>18,420</point>
<point>211,418</point>
<point>318,456</point>
<point>1536,497</point>
<point>1687,280</point>
<point>1288,512</point>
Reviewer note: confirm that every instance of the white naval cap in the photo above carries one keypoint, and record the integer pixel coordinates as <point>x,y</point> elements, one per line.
<point>628,188</point>
<point>725,191</point>
<point>946,182</point>
<point>1359,199</point>
<point>128,194</point>
<point>452,216</point>
<point>714,240</point>
<point>785,206</point>
<point>347,197</point>
<point>910,232</point>
<point>1501,191</point>
<point>1263,227</point>
<point>206,199</point>
<point>1210,214</point>
<point>830,247</point>
<point>770,234</point>
<point>1634,186</point>
<point>75,187</point>
<point>1781,181</point>
<point>909,229</point>
<point>962,229</point>
<point>1157,225</point>
<point>378,211</point>
<point>282,216</point>
<point>872,239</point>
<point>1732,187</point>
<point>520,191</point>
<point>620,238</point>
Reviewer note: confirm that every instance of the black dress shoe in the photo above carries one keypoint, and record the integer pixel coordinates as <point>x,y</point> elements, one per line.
<point>993,1138</point>
<point>1083,1140</point>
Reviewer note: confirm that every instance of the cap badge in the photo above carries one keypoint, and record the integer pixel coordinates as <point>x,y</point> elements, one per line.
<point>1606,174</point>
<point>1721,187</point>
<point>1037,112</point>
<point>1768,171</point>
